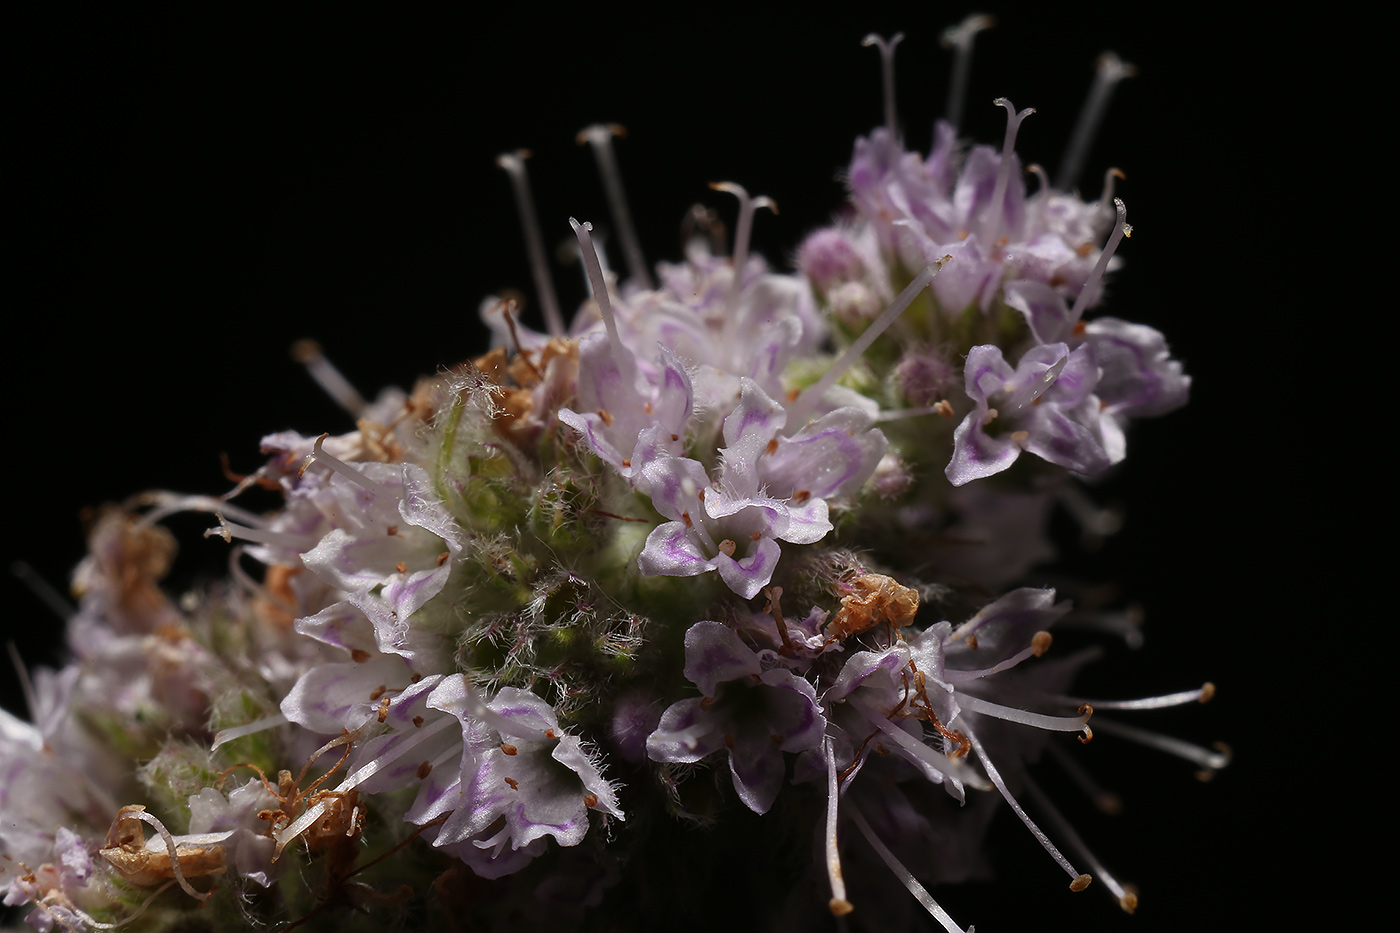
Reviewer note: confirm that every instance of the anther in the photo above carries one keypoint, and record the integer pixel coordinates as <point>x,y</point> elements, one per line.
<point>418,722</point>
<point>886,74</point>
<point>727,547</point>
<point>401,567</point>
<point>599,136</point>
<point>1040,643</point>
<point>590,800</point>
<point>424,770</point>
<point>514,784</point>
<point>1080,883</point>
<point>514,164</point>
<point>508,749</point>
<point>359,655</point>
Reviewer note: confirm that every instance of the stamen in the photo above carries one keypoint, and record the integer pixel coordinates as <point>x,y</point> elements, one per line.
<point>906,877</point>
<point>599,136</point>
<point>1080,881</point>
<point>1205,757</point>
<point>959,39</point>
<point>594,268</point>
<point>1109,70</point>
<point>1201,695</point>
<point>228,531</point>
<point>1078,723</point>
<point>1106,801</point>
<point>514,164</point>
<point>886,74</point>
<point>953,769</point>
<point>742,231</point>
<point>992,229</point>
<point>1092,284</point>
<point>799,409</point>
<point>308,353</point>
<point>1106,198</point>
<point>1126,898</point>
<point>838,903</point>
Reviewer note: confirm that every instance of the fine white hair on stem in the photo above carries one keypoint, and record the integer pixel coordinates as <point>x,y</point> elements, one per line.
<point>514,165</point>
<point>599,137</point>
<point>1109,70</point>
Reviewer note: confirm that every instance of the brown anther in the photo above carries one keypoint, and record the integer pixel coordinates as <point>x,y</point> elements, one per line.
<point>792,395</point>
<point>801,496</point>
<point>1080,329</point>
<point>1128,901</point>
<point>685,518</point>
<point>772,447</point>
<point>728,547</point>
<point>415,678</point>
<point>606,416</point>
<point>1086,736</point>
<point>627,462</point>
<point>549,734</point>
<point>393,530</point>
<point>425,769</point>
<point>943,407</point>
<point>378,692</point>
<point>401,567</point>
<point>1080,883</point>
<point>1040,643</point>
<point>1084,249</point>
<point>1207,691</point>
<point>755,536</point>
<point>971,642</point>
<point>418,722</point>
<point>729,740</point>
<point>514,785</point>
<point>776,739</point>
<point>706,703</point>
<point>840,906</point>
<point>646,407</point>
<point>384,709</point>
<point>701,493</point>
<point>675,437</point>
<point>358,655</point>
<point>442,558</point>
<point>508,749</point>
<point>590,800</point>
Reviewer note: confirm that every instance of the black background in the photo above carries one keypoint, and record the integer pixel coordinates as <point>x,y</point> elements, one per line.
<point>190,193</point>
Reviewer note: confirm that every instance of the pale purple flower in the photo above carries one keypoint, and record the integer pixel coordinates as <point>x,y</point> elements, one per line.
<point>752,714</point>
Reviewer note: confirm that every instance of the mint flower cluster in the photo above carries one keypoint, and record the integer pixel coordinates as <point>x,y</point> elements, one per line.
<point>730,567</point>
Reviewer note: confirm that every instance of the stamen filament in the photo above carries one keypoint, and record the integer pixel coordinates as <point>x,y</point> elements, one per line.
<point>887,74</point>
<point>1109,70</point>
<point>954,770</point>
<point>331,380</point>
<point>228,531</point>
<point>599,137</point>
<point>838,903</point>
<point>1126,899</point>
<point>959,39</point>
<point>1211,760</point>
<point>906,877</point>
<point>1025,717</point>
<point>1080,881</point>
<point>804,403</point>
<point>997,208</point>
<point>1202,694</point>
<point>224,736</point>
<point>514,164</point>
